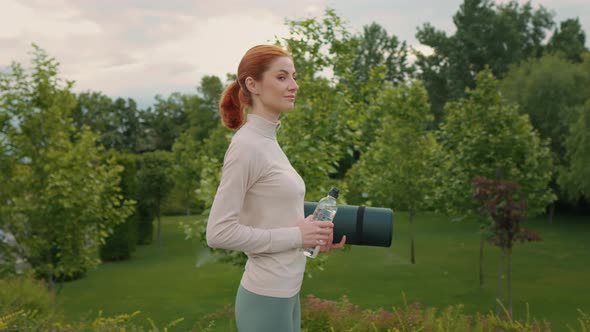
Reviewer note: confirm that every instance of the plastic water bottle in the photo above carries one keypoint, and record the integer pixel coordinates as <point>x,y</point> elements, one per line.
<point>324,211</point>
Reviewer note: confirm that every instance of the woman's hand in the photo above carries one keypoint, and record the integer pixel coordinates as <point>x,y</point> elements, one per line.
<point>316,233</point>
<point>319,233</point>
<point>330,246</point>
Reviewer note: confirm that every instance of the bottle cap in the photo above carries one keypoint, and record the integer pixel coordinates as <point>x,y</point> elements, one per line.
<point>334,192</point>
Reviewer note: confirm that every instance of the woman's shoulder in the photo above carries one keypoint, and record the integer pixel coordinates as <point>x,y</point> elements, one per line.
<point>243,139</point>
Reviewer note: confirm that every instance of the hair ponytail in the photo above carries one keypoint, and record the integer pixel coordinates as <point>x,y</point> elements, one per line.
<point>231,106</point>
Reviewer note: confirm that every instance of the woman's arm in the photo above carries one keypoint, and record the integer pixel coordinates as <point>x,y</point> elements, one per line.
<point>241,168</point>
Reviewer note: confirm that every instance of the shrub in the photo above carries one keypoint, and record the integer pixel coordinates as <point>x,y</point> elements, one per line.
<point>145,222</point>
<point>24,302</point>
<point>323,315</point>
<point>120,244</point>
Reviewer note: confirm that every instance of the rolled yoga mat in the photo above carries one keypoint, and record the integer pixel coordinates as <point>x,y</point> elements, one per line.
<point>367,226</point>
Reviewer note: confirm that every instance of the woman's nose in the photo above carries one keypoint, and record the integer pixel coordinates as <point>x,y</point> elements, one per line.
<point>293,86</point>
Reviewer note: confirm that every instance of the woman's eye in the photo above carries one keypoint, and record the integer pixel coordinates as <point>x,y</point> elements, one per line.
<point>281,78</point>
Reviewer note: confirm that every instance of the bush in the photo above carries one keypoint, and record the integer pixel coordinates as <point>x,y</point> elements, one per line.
<point>145,222</point>
<point>24,302</point>
<point>20,321</point>
<point>120,244</point>
<point>153,186</point>
<point>323,315</point>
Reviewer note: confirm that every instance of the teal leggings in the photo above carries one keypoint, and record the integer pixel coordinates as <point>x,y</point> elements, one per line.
<point>259,313</point>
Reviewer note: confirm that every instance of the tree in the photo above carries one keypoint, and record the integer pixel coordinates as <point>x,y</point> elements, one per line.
<point>122,242</point>
<point>375,47</point>
<point>395,171</point>
<point>500,202</point>
<point>483,135</point>
<point>550,90</point>
<point>166,121</point>
<point>487,34</point>
<point>202,115</point>
<point>574,176</point>
<point>370,60</point>
<point>325,113</point>
<point>569,40</point>
<point>61,198</point>
<point>116,122</point>
<point>155,183</point>
<point>186,169</point>
<point>210,165</point>
<point>202,109</point>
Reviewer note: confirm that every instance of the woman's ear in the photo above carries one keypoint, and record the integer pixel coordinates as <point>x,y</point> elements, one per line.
<point>251,85</point>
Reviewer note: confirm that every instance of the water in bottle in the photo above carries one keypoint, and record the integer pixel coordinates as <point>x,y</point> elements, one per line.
<point>324,211</point>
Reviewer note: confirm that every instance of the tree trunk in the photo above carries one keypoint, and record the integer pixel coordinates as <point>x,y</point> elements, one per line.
<point>159,223</point>
<point>508,279</point>
<point>551,212</point>
<point>50,282</point>
<point>412,250</point>
<point>159,230</point>
<point>481,278</point>
<point>188,203</point>
<point>499,294</point>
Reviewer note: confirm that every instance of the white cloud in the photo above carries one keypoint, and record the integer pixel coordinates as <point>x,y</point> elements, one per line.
<point>141,48</point>
<point>58,20</point>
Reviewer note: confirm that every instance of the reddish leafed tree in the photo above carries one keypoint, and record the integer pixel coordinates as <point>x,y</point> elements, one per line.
<point>501,203</point>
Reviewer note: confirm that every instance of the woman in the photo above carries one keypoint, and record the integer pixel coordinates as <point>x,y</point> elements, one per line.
<point>258,207</point>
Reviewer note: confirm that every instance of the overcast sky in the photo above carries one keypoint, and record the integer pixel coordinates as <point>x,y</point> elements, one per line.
<point>140,48</point>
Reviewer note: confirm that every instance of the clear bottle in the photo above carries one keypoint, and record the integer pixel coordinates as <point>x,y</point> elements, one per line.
<point>324,211</point>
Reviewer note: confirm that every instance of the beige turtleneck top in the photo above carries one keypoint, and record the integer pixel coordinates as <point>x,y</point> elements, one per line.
<point>256,209</point>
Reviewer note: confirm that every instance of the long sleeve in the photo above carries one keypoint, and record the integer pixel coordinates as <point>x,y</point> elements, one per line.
<point>243,166</point>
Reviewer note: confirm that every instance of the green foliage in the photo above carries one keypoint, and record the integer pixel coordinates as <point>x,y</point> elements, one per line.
<point>325,315</point>
<point>319,315</point>
<point>318,132</point>
<point>395,171</point>
<point>569,40</point>
<point>27,297</point>
<point>122,242</point>
<point>145,221</point>
<point>117,122</point>
<point>154,184</point>
<point>63,196</point>
<point>26,304</point>
<point>482,135</point>
<point>575,175</point>
<point>549,90</point>
<point>487,34</point>
<point>316,44</point>
<point>186,169</point>
<point>202,117</point>
<point>210,163</point>
<point>373,48</point>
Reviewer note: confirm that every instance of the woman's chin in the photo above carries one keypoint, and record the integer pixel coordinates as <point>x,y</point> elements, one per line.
<point>290,105</point>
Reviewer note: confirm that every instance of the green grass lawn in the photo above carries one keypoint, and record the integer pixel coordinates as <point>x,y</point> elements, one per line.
<point>167,282</point>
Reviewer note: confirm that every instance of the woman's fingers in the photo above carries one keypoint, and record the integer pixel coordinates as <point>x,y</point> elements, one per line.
<point>340,244</point>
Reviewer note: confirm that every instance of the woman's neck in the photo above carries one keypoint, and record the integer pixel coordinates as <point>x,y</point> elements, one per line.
<point>268,115</point>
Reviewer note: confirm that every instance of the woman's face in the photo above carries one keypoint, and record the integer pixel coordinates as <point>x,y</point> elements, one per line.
<point>277,89</point>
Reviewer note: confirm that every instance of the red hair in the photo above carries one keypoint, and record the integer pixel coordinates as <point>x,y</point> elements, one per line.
<point>236,96</point>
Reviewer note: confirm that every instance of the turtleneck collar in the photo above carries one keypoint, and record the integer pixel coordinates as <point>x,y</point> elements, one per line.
<point>262,126</point>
